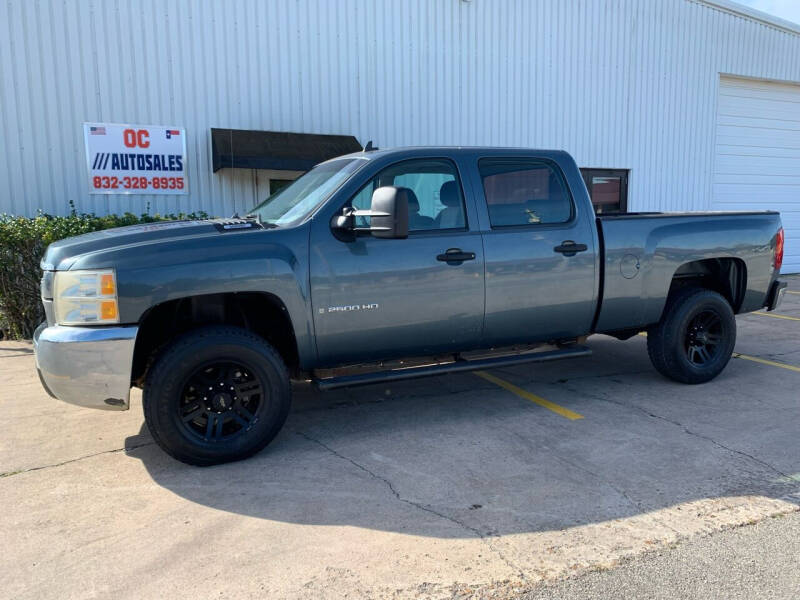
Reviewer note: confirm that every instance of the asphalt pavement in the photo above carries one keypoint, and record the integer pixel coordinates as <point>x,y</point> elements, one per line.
<point>753,562</point>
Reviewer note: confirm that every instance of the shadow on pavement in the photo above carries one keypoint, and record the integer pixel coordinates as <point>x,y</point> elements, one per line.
<point>8,349</point>
<point>454,456</point>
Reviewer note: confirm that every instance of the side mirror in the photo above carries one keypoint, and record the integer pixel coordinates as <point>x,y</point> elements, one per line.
<point>388,214</point>
<point>389,210</point>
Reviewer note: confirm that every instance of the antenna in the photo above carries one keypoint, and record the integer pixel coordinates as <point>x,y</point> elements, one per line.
<point>369,147</point>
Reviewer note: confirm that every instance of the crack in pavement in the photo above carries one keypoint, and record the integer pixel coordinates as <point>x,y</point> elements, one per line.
<point>477,532</point>
<point>620,491</point>
<point>72,460</point>
<point>685,430</point>
<point>719,444</point>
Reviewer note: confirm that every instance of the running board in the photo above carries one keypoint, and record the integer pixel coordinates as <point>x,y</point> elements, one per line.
<point>330,383</point>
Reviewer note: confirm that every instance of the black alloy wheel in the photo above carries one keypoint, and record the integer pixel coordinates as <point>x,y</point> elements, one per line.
<point>220,401</point>
<point>703,337</point>
<point>216,394</point>
<point>694,340</point>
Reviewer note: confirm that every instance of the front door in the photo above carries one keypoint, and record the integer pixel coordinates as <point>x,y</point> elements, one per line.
<point>536,288</point>
<point>382,298</point>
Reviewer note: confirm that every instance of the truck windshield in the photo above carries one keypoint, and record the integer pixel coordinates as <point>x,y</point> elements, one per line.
<point>294,202</point>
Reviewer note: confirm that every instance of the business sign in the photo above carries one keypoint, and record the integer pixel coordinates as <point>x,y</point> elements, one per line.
<point>135,159</point>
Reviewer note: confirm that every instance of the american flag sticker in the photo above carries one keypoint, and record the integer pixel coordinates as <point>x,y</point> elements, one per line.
<point>171,132</point>
<point>97,130</point>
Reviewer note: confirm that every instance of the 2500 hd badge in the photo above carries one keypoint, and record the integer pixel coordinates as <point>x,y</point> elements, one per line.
<point>349,308</point>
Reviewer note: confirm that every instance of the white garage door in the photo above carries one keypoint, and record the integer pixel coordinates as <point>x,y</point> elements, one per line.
<point>757,162</point>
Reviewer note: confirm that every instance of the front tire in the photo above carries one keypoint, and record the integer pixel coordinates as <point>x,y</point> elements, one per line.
<point>216,395</point>
<point>694,340</point>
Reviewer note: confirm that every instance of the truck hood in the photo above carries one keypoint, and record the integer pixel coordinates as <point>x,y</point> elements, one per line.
<point>62,254</point>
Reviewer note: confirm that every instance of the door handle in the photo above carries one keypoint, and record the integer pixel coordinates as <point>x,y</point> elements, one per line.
<point>570,248</point>
<point>455,256</point>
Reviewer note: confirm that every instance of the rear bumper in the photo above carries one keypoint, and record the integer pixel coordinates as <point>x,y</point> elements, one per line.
<point>775,295</point>
<point>87,366</point>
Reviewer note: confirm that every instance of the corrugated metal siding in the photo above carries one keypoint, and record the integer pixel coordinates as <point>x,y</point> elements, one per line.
<point>758,154</point>
<point>619,83</point>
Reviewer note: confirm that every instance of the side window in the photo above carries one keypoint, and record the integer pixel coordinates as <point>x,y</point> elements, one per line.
<point>524,192</point>
<point>436,200</point>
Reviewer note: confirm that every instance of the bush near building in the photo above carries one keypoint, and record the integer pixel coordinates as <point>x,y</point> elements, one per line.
<point>23,242</point>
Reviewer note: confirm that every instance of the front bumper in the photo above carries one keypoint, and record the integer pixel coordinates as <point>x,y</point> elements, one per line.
<point>87,366</point>
<point>775,295</point>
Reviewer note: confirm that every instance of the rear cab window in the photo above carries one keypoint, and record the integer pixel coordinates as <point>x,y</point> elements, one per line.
<point>524,192</point>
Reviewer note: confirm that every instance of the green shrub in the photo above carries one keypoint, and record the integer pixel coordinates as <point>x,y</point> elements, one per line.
<point>23,242</point>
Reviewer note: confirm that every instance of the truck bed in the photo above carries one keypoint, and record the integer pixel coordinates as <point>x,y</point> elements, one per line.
<point>641,252</point>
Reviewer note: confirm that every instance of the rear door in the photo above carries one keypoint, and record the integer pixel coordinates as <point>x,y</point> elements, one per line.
<point>540,254</point>
<point>382,298</point>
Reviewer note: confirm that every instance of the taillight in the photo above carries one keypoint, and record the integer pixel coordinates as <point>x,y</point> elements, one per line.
<point>778,261</point>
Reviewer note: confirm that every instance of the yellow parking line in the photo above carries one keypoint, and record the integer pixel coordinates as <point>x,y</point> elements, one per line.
<point>564,412</point>
<point>792,292</point>
<point>764,361</point>
<point>775,316</point>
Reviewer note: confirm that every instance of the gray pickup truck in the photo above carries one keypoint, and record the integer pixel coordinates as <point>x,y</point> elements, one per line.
<point>386,265</point>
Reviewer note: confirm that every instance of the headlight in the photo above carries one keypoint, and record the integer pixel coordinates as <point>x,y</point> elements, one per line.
<point>85,297</point>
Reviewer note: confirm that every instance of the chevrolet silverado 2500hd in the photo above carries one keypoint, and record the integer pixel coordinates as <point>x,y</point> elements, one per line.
<point>385,265</point>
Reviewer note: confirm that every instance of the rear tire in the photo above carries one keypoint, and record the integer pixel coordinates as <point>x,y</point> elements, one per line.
<point>216,395</point>
<point>694,340</point>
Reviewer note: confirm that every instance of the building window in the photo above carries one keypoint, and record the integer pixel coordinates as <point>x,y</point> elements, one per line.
<point>608,189</point>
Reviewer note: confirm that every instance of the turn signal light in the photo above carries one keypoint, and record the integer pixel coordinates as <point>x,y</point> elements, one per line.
<point>108,310</point>
<point>107,285</point>
<point>778,250</point>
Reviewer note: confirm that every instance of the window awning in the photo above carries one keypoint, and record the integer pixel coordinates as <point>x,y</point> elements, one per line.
<point>279,150</point>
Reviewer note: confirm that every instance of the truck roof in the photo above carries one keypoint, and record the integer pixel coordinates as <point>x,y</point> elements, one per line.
<point>422,151</point>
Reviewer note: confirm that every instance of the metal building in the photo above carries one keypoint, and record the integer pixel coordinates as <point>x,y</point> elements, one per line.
<point>668,104</point>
